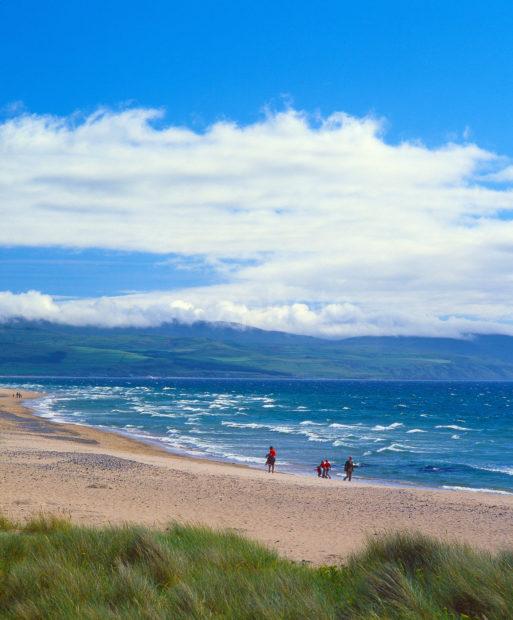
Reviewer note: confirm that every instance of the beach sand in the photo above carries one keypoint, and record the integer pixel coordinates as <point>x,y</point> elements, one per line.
<point>96,477</point>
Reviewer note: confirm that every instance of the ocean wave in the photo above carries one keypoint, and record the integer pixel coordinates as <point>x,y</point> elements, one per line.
<point>454,427</point>
<point>253,425</point>
<point>244,459</point>
<point>475,490</point>
<point>44,409</point>
<point>390,427</point>
<point>315,437</point>
<point>499,469</point>
<point>199,447</point>
<point>310,423</point>
<point>396,447</point>
<point>416,430</point>
<point>348,426</point>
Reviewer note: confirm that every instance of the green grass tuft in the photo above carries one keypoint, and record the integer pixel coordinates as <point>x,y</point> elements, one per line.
<point>6,524</point>
<point>52,569</point>
<point>44,523</point>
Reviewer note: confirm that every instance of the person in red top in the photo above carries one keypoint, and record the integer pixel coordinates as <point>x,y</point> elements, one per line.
<point>326,469</point>
<point>271,460</point>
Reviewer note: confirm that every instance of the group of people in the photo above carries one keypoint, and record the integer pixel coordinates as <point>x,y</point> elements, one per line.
<point>17,395</point>
<point>323,470</point>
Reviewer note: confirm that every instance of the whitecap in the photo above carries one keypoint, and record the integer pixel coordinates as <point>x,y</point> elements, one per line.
<point>251,425</point>
<point>454,427</point>
<point>315,437</point>
<point>395,447</point>
<point>416,430</point>
<point>337,443</point>
<point>390,427</point>
<point>254,425</point>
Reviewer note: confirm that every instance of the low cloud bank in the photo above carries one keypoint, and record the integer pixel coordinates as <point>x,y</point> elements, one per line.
<point>327,228</point>
<point>152,310</point>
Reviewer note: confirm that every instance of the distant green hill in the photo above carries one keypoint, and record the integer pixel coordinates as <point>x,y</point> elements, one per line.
<point>222,350</point>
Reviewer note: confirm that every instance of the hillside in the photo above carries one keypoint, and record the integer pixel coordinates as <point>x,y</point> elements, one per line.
<point>201,349</point>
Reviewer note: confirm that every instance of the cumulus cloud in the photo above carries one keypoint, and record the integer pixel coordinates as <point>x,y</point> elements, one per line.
<point>328,229</point>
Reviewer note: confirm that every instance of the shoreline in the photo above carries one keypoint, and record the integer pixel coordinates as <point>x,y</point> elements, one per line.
<point>161,447</point>
<point>99,477</point>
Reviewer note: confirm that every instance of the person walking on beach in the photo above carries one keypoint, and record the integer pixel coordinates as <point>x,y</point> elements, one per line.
<point>271,460</point>
<point>326,469</point>
<point>348,468</point>
<point>319,469</point>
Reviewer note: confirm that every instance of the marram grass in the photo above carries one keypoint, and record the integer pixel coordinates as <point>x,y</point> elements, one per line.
<point>52,569</point>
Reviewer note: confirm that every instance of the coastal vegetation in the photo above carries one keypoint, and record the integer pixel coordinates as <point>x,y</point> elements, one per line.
<point>50,568</point>
<point>222,350</point>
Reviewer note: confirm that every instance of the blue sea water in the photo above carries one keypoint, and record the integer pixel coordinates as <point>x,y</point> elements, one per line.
<point>423,433</point>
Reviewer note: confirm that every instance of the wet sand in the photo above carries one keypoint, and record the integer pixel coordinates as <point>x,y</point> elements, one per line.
<point>96,477</point>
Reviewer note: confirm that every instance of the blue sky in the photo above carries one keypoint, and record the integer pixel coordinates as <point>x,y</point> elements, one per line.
<point>429,74</point>
<point>432,68</point>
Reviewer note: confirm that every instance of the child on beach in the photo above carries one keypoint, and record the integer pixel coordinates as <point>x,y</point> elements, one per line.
<point>271,460</point>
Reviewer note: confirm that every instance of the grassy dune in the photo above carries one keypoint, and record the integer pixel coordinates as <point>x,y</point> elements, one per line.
<point>51,569</point>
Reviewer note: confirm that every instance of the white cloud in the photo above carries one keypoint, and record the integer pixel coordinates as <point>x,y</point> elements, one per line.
<point>334,320</point>
<point>348,234</point>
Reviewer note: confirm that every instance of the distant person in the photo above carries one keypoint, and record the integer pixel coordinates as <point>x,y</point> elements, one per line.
<point>326,470</point>
<point>348,468</point>
<point>318,469</point>
<point>271,460</point>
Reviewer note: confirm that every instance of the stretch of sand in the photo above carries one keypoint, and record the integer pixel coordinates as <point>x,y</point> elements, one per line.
<point>96,478</point>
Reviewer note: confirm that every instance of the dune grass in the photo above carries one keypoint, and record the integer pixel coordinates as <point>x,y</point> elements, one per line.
<point>52,569</point>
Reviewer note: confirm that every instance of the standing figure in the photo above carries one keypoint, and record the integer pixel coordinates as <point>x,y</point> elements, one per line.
<point>327,468</point>
<point>348,468</point>
<point>271,460</point>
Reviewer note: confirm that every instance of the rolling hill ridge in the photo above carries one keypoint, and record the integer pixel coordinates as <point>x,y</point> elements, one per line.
<point>225,350</point>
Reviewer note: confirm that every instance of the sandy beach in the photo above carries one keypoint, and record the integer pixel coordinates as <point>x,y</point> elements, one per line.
<point>96,477</point>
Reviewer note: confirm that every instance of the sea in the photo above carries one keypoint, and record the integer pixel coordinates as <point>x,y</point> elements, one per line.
<point>453,435</point>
